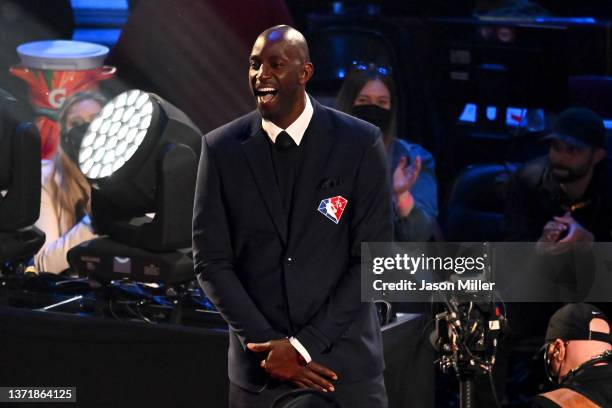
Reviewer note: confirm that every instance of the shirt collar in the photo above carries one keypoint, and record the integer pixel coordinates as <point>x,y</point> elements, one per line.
<point>296,130</point>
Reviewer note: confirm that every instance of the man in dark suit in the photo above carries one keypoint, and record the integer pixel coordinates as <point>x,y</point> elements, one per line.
<point>285,196</point>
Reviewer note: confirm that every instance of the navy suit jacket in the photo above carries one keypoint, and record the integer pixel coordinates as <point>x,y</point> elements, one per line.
<point>273,277</point>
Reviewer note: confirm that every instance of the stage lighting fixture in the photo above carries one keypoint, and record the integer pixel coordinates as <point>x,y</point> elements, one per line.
<point>140,155</point>
<point>20,169</point>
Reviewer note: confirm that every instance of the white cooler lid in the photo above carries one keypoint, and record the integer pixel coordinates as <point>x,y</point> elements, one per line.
<point>62,55</point>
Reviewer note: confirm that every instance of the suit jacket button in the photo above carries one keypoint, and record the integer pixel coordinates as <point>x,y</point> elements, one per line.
<point>290,261</point>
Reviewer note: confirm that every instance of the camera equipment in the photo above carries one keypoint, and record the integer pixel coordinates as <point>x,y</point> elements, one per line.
<point>467,337</point>
<point>468,330</point>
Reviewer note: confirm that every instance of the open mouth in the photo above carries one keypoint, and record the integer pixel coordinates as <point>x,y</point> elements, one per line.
<point>265,94</point>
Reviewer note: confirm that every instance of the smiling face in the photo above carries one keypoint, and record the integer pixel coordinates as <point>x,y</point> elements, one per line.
<point>278,73</point>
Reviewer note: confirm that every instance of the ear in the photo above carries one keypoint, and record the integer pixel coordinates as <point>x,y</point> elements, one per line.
<point>559,350</point>
<point>307,72</point>
<point>599,154</point>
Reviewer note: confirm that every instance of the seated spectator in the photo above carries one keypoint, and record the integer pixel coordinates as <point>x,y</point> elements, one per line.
<point>368,92</point>
<point>578,356</point>
<point>566,196</point>
<point>65,197</point>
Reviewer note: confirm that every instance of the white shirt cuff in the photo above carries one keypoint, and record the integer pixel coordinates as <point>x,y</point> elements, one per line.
<point>300,349</point>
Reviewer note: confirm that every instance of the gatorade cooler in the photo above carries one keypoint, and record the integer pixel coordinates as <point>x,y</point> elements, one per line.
<point>55,70</point>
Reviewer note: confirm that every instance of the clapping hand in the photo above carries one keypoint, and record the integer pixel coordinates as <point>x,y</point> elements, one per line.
<point>404,178</point>
<point>404,175</point>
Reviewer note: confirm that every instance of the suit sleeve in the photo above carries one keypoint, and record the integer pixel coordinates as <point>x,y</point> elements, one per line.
<point>214,258</point>
<point>371,221</point>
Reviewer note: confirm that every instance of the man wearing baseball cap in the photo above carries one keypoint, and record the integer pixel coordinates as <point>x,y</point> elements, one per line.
<point>578,353</point>
<point>565,196</point>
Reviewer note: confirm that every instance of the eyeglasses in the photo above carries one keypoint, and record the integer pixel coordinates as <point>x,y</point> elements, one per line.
<point>370,66</point>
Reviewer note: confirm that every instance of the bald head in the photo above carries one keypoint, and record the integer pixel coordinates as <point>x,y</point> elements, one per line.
<point>289,35</point>
<point>279,68</point>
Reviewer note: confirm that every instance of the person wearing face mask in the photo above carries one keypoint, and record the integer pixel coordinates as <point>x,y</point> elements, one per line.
<point>577,357</point>
<point>65,196</point>
<point>564,197</point>
<point>368,93</point>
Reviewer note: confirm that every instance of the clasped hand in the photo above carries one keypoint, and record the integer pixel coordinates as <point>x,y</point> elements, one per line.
<point>550,241</point>
<point>285,363</point>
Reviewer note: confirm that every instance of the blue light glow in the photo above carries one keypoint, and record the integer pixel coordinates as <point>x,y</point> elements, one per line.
<point>565,20</point>
<point>99,21</point>
<point>97,35</point>
<point>514,116</point>
<point>608,123</point>
<point>491,113</point>
<point>337,7</point>
<point>340,73</point>
<point>100,4</point>
<point>469,113</point>
<point>494,67</point>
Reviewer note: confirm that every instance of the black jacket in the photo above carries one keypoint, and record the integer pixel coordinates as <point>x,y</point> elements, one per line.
<point>593,382</point>
<point>535,197</point>
<point>272,278</point>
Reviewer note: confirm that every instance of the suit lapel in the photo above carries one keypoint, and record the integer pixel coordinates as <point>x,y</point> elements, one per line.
<point>318,143</point>
<point>258,157</point>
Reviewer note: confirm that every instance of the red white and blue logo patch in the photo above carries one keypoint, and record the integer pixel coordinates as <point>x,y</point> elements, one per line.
<point>333,207</point>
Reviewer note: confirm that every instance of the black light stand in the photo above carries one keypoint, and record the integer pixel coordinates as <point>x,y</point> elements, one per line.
<point>20,172</point>
<point>106,259</point>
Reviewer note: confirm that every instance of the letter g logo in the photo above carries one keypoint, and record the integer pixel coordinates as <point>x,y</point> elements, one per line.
<point>57,97</point>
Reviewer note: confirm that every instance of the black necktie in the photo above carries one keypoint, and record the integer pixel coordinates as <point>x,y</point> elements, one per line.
<point>284,142</point>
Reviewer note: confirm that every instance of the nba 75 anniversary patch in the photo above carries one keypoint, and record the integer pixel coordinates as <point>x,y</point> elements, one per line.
<point>333,207</point>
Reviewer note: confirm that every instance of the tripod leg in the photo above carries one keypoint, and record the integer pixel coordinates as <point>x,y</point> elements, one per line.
<point>466,390</point>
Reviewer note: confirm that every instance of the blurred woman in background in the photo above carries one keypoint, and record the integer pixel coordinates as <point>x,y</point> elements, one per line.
<point>368,92</point>
<point>65,197</point>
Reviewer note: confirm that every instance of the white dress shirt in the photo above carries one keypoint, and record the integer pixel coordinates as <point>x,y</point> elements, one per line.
<point>296,130</point>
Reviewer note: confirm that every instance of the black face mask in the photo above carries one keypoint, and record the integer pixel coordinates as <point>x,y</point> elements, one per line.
<point>71,141</point>
<point>374,114</point>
